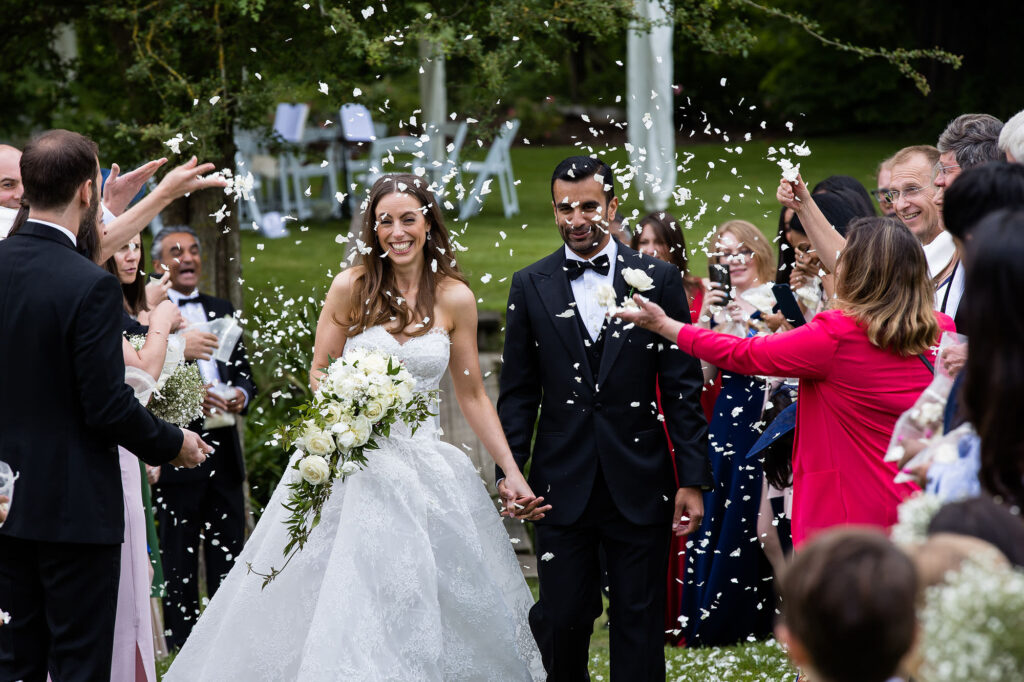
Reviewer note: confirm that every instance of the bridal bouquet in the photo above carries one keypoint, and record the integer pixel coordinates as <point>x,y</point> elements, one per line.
<point>177,396</point>
<point>361,396</point>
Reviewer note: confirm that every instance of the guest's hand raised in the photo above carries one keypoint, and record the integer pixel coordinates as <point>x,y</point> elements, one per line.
<point>189,177</point>
<point>793,194</point>
<point>119,190</point>
<point>199,345</point>
<point>518,500</point>
<point>193,452</point>
<point>648,315</point>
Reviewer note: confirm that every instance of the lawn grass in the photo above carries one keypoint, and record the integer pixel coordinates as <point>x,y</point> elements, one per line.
<point>311,255</point>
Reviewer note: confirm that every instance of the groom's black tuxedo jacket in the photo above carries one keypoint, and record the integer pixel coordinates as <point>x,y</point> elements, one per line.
<point>228,460</point>
<point>612,421</point>
<point>64,406</point>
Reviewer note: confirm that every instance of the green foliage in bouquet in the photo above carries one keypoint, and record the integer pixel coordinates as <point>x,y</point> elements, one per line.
<point>361,397</point>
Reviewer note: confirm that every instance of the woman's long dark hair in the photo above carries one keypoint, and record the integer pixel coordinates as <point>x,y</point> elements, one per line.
<point>851,190</point>
<point>134,294</point>
<point>667,229</point>
<point>375,300</point>
<point>836,208</point>
<point>993,312</point>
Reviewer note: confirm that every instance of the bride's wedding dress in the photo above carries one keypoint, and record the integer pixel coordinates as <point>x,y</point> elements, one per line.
<point>409,576</point>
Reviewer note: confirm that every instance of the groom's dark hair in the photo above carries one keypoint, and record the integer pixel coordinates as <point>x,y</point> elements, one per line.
<point>579,168</point>
<point>54,165</point>
<point>849,598</point>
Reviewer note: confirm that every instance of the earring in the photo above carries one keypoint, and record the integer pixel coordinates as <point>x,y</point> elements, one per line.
<point>428,236</point>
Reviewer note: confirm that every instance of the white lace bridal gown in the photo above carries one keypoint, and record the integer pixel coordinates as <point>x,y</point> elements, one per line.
<point>409,576</point>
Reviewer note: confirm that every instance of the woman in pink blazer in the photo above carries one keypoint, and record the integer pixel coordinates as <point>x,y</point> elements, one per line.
<point>860,364</point>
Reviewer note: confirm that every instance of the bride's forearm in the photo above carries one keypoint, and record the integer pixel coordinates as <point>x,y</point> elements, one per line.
<point>479,412</point>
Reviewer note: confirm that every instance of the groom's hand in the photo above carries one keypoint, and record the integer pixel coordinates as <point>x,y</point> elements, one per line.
<point>193,451</point>
<point>689,511</point>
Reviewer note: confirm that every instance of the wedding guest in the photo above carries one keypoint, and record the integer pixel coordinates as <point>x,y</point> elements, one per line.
<point>727,595</point>
<point>134,655</point>
<point>882,320</point>
<point>994,374</point>
<point>10,177</point>
<point>850,190</point>
<point>849,607</point>
<point>881,192</point>
<point>969,141</point>
<point>1011,138</point>
<point>201,509</point>
<point>60,318</point>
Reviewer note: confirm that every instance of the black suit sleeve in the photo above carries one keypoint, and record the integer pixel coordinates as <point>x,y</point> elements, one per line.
<point>681,382</point>
<point>520,388</point>
<point>109,405</point>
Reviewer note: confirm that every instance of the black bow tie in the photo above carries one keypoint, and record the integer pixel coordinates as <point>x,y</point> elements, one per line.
<point>184,301</point>
<point>574,268</point>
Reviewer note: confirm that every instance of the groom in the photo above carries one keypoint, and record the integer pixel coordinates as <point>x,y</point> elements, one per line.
<point>600,455</point>
<point>64,407</point>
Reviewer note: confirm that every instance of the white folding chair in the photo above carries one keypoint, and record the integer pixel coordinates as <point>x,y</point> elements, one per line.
<point>357,128</point>
<point>289,125</point>
<point>498,163</point>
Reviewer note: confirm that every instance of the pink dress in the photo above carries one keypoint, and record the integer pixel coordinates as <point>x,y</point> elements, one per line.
<point>851,394</point>
<point>133,626</point>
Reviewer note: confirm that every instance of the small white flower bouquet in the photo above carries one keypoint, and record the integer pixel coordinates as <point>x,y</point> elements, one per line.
<point>361,396</point>
<point>177,396</point>
<point>638,280</point>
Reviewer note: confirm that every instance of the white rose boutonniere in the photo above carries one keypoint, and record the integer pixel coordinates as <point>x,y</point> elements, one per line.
<point>637,279</point>
<point>314,469</point>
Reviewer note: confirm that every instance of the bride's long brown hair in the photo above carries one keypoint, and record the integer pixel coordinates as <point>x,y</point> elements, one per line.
<point>375,296</point>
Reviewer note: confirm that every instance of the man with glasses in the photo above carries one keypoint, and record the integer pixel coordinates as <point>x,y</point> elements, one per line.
<point>913,196</point>
<point>968,141</point>
<point>881,194</point>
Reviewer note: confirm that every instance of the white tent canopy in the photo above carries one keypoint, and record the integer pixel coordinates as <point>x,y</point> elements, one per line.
<point>649,106</point>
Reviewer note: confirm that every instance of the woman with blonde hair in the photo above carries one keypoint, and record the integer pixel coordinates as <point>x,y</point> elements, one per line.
<point>726,595</point>
<point>861,365</point>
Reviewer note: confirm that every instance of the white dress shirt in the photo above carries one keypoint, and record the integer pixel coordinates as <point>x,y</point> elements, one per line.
<point>584,288</point>
<point>939,253</point>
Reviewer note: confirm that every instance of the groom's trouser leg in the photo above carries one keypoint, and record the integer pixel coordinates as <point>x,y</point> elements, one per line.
<point>570,599</point>
<point>637,565</point>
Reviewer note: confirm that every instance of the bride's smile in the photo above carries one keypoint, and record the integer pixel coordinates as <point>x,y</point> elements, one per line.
<point>402,228</point>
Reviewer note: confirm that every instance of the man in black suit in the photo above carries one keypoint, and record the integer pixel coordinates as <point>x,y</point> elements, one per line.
<point>203,507</point>
<point>64,407</point>
<point>600,456</point>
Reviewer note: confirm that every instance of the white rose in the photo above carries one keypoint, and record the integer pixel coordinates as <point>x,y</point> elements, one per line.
<point>638,279</point>
<point>374,410</point>
<point>362,428</point>
<point>606,296</point>
<point>315,470</point>
<point>319,442</point>
<point>373,364</point>
<point>333,413</point>
<point>403,392</point>
<point>349,468</point>
<point>345,435</point>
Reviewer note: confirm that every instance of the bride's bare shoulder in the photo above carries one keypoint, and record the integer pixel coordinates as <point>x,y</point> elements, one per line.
<point>453,292</point>
<point>345,281</point>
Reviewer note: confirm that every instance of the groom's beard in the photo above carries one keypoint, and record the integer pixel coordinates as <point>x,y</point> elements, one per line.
<point>88,229</point>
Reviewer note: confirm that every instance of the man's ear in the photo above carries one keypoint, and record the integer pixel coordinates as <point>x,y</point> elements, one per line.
<point>613,208</point>
<point>85,192</point>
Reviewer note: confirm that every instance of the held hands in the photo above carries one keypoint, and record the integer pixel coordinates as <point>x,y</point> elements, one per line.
<point>199,345</point>
<point>689,511</point>
<point>193,452</point>
<point>518,500</point>
<point>119,190</point>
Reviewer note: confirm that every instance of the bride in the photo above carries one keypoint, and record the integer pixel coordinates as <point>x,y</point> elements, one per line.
<point>410,574</point>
